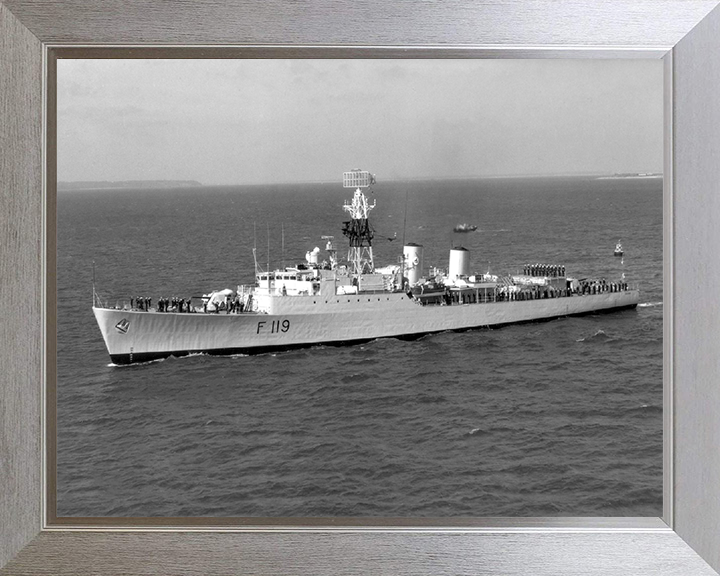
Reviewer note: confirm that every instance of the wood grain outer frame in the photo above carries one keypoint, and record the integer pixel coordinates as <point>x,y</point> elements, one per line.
<point>369,23</point>
<point>525,28</point>
<point>696,181</point>
<point>21,330</point>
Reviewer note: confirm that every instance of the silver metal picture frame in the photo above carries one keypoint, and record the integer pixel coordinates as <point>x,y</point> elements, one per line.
<point>685,541</point>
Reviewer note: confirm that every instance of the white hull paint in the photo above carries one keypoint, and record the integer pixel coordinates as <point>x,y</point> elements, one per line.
<point>297,321</point>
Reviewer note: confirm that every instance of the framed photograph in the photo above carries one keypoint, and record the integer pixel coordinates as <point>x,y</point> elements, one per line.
<point>330,352</point>
<point>81,498</point>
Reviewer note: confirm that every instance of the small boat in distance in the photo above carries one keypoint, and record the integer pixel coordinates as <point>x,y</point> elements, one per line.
<point>464,228</point>
<point>618,249</point>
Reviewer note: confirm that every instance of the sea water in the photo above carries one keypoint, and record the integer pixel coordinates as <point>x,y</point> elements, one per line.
<point>553,418</point>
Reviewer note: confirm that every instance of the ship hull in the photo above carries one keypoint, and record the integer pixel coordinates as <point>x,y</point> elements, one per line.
<point>295,322</point>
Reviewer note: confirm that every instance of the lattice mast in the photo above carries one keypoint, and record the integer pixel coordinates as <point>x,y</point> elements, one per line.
<point>358,230</point>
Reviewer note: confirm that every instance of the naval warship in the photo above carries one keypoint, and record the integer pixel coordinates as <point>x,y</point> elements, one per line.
<point>325,300</point>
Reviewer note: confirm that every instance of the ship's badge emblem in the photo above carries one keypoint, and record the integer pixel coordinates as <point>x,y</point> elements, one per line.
<point>122,326</point>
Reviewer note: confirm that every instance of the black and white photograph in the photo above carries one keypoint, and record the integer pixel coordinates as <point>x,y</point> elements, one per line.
<point>359,288</point>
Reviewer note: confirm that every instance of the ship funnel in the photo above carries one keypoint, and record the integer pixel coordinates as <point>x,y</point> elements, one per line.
<point>459,263</point>
<point>413,262</point>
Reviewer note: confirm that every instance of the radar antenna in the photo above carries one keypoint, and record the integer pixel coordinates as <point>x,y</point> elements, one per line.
<point>358,230</point>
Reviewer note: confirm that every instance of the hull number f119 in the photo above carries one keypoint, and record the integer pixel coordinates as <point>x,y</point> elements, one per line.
<point>274,327</point>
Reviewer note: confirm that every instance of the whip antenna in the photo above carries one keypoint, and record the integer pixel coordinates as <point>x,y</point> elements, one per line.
<point>255,246</point>
<point>405,218</point>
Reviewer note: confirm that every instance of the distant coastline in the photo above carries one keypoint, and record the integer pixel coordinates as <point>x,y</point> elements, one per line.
<point>631,175</point>
<point>122,184</point>
<point>169,184</point>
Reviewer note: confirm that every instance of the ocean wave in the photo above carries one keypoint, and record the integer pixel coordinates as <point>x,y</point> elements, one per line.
<point>599,335</point>
<point>649,304</point>
<point>136,364</point>
<point>355,377</point>
<point>648,409</point>
<point>433,430</point>
<point>430,399</point>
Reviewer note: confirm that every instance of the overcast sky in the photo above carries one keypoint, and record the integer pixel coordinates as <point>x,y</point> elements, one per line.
<point>258,121</point>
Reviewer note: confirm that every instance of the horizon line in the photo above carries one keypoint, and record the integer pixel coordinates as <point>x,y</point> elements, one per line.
<point>196,183</point>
